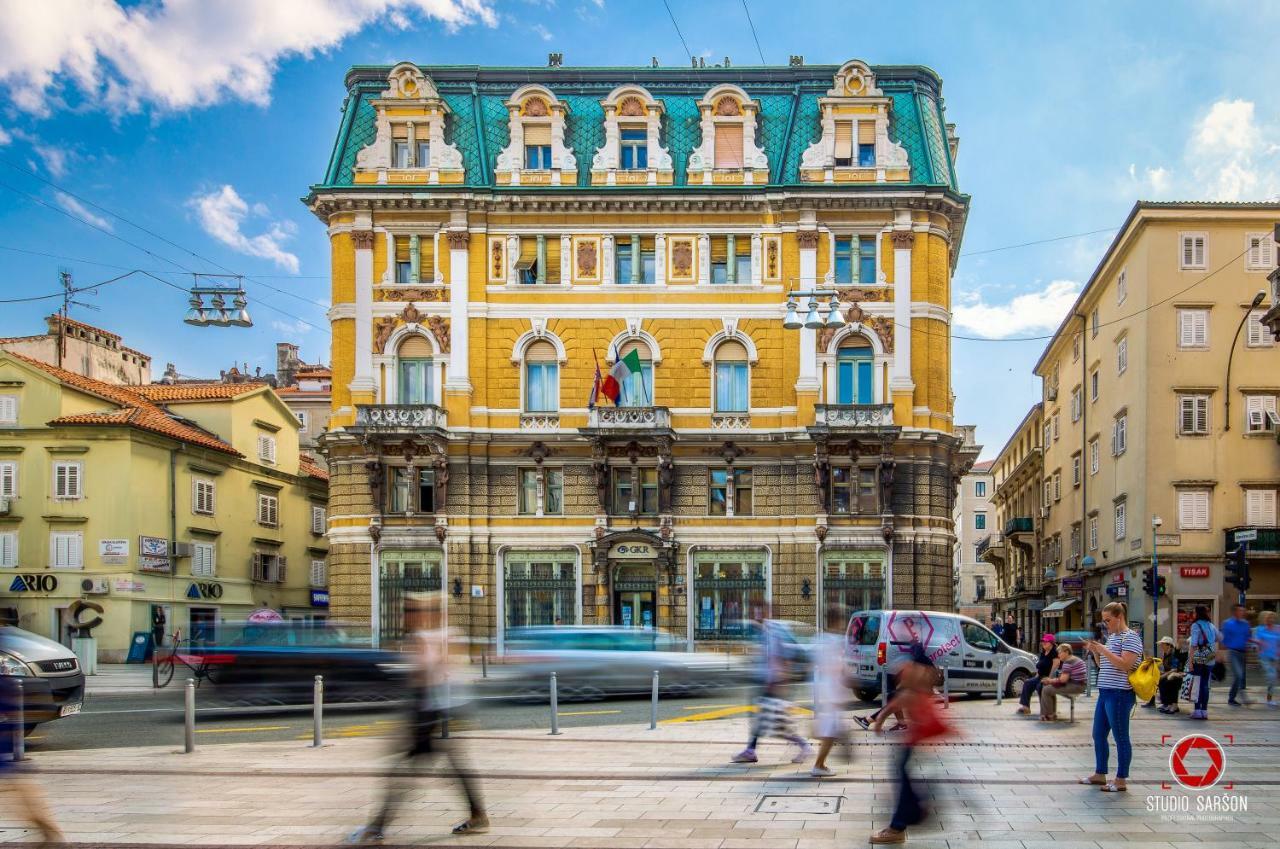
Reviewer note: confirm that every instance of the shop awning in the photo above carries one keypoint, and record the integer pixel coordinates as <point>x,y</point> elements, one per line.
<point>1058,607</point>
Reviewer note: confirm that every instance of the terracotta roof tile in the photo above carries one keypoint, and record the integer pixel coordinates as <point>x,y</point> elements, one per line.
<point>165,393</point>
<point>308,467</point>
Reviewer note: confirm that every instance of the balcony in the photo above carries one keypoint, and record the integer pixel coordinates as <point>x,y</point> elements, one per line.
<point>852,416</point>
<point>540,422</point>
<point>388,418</point>
<point>1267,543</point>
<point>629,418</point>
<point>1019,525</point>
<point>991,549</point>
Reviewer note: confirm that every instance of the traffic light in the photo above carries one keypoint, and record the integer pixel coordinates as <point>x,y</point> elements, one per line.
<point>1149,580</point>
<point>1161,585</point>
<point>1238,567</point>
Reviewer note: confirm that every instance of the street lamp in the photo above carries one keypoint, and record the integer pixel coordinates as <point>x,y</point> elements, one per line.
<point>792,321</point>
<point>1257,299</point>
<point>813,321</point>
<point>217,314</point>
<point>818,314</point>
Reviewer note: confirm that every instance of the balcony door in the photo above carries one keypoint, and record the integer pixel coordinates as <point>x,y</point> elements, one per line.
<point>413,371</point>
<point>855,373</point>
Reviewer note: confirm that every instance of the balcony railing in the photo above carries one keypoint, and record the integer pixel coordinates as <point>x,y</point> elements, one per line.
<point>400,416</point>
<point>853,415</point>
<point>1019,525</point>
<point>629,418</point>
<point>992,544</point>
<point>1268,541</point>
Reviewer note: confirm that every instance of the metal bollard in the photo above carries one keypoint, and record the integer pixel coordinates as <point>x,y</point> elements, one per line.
<point>1000,682</point>
<point>189,715</point>
<point>884,687</point>
<point>555,707</point>
<point>155,673</point>
<point>653,706</point>
<point>20,725</point>
<point>484,664</point>
<point>946,688</point>
<point>317,713</point>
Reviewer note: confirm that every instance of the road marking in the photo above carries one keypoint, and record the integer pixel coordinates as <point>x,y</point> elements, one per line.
<point>726,712</point>
<point>249,730</point>
<point>585,712</point>
<point>706,707</point>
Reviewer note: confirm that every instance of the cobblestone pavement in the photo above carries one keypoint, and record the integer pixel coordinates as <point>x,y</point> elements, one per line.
<point>1004,781</point>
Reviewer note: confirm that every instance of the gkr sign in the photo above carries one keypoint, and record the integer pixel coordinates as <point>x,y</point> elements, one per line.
<point>910,627</point>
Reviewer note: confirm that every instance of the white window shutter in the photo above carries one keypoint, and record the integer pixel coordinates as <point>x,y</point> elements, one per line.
<point>9,409</point>
<point>9,480</point>
<point>1187,252</point>
<point>1260,507</point>
<point>8,550</point>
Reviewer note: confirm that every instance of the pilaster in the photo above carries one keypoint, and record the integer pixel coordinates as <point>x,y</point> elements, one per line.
<point>458,385</point>
<point>363,387</point>
<point>901,385</point>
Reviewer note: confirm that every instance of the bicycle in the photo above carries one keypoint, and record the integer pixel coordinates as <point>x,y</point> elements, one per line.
<point>167,664</point>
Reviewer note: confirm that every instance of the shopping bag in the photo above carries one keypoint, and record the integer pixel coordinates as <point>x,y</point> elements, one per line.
<point>1190,689</point>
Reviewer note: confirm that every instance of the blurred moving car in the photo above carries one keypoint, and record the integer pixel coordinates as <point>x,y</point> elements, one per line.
<point>800,641</point>
<point>592,662</point>
<point>1075,639</point>
<point>52,681</point>
<point>275,663</point>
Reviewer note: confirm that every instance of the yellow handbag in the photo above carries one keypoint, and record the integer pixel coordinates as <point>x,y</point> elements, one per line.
<point>1145,679</point>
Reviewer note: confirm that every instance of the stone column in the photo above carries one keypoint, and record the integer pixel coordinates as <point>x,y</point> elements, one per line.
<point>901,378</point>
<point>757,266</point>
<point>606,260</point>
<point>731,259</point>
<point>513,259</point>
<point>635,259</point>
<point>704,260</point>
<point>363,386</point>
<point>459,329</point>
<point>566,260</point>
<point>808,380</point>
<point>660,259</point>
<point>541,259</point>
<point>415,259</point>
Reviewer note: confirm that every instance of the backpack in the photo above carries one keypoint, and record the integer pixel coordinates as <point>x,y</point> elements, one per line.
<point>1145,679</point>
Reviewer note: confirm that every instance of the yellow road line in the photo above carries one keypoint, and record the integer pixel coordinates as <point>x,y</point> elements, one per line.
<point>241,730</point>
<point>585,712</point>
<point>725,712</point>
<point>705,707</point>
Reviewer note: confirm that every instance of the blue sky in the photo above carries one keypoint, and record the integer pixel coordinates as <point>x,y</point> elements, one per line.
<point>203,123</point>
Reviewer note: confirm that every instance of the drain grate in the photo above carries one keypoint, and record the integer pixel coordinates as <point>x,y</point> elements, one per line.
<point>799,805</point>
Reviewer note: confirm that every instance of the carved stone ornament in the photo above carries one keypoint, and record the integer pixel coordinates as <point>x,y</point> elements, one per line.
<point>436,294</point>
<point>731,451</point>
<point>821,532</point>
<point>903,238</point>
<point>441,532</point>
<point>496,270</point>
<point>728,106</point>
<point>440,329</point>
<point>870,295</point>
<point>410,314</point>
<point>884,328</point>
<point>588,259</point>
<point>666,481</point>
<point>458,239</point>
<point>382,330</point>
<point>825,335</point>
<point>771,260</point>
<point>362,239</point>
<point>808,239</point>
<point>631,107</point>
<point>535,107</point>
<point>538,452</point>
<point>682,258</point>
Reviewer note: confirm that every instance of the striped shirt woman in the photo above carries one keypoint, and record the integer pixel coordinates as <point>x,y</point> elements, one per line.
<point>1116,659</point>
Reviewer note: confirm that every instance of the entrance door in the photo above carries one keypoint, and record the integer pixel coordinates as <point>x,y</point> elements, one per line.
<point>204,625</point>
<point>633,608</point>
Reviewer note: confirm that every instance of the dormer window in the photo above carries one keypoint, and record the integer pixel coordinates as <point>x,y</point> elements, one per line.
<point>537,147</point>
<point>409,146</point>
<point>400,146</point>
<point>536,154</point>
<point>634,143</point>
<point>728,154</point>
<point>855,118</point>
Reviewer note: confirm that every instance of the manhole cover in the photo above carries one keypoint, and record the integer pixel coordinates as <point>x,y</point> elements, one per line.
<point>799,805</point>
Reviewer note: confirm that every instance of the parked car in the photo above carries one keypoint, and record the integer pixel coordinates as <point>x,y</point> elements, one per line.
<point>592,662</point>
<point>52,681</point>
<point>967,649</point>
<point>275,663</point>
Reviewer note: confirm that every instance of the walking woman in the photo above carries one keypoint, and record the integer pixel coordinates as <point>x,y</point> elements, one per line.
<point>1116,658</point>
<point>1204,651</point>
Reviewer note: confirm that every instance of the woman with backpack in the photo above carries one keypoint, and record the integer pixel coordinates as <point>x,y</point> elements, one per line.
<point>1116,658</point>
<point>1203,642</point>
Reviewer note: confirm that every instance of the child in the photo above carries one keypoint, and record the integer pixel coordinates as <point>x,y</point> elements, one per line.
<point>914,697</point>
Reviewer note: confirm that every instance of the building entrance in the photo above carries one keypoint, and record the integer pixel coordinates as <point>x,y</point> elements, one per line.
<point>634,596</point>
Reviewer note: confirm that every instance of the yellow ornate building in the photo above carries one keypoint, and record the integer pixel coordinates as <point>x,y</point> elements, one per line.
<point>496,233</point>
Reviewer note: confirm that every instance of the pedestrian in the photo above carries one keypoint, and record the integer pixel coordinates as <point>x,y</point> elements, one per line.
<point>1267,638</point>
<point>1236,634</point>
<point>1067,679</point>
<point>773,710</point>
<point>429,705</point>
<point>1203,641</point>
<point>1173,664</point>
<point>157,626</point>
<point>15,782</point>
<point>914,697</point>
<point>830,692</point>
<point>1010,635</point>
<point>1116,658</point>
<point>1046,660</point>
<point>997,627</point>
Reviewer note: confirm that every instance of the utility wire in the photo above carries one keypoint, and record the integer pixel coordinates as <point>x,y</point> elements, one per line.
<point>75,291</point>
<point>1040,241</point>
<point>84,261</point>
<point>677,26</point>
<point>753,32</point>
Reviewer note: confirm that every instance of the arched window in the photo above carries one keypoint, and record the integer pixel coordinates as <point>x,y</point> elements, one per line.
<point>637,387</point>
<point>413,371</point>
<point>731,377</point>
<point>855,372</point>
<point>541,378</point>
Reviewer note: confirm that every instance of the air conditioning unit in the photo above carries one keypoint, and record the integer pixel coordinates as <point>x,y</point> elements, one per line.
<point>5,505</point>
<point>182,549</point>
<point>95,586</point>
<point>1044,512</point>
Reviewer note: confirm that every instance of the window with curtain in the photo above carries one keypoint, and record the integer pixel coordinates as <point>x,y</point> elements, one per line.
<point>720,259</point>
<point>731,375</point>
<point>867,144</point>
<point>400,146</point>
<point>422,151</point>
<point>729,145</point>
<point>634,144</point>
<point>855,373</point>
<point>537,147</point>
<point>637,389</point>
<point>413,371</point>
<point>404,266</point>
<point>844,261</point>
<point>622,261</point>
<point>844,144</point>
<point>542,378</point>
<point>528,492</point>
<point>866,259</point>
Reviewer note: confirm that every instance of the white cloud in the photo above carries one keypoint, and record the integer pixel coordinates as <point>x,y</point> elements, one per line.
<point>81,211</point>
<point>180,54</point>
<point>1028,313</point>
<point>222,212</point>
<point>1228,156</point>
<point>5,138</point>
<point>54,158</point>
<point>290,328</point>
<point>543,32</point>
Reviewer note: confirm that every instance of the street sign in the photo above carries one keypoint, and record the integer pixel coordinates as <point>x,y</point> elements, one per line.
<point>153,547</point>
<point>1246,535</point>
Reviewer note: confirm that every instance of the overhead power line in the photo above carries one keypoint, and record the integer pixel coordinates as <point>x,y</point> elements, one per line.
<point>751,23</point>
<point>1040,241</point>
<point>679,34</point>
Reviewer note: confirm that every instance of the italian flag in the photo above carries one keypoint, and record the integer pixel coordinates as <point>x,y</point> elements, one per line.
<point>622,369</point>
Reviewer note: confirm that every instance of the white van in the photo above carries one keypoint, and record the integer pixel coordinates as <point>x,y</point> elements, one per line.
<point>967,649</point>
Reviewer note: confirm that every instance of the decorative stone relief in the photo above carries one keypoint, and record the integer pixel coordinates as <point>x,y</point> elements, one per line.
<point>436,294</point>
<point>808,239</point>
<point>681,258</point>
<point>440,329</point>
<point>588,259</point>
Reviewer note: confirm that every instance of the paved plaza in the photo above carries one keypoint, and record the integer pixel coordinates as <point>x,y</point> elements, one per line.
<point>1002,782</point>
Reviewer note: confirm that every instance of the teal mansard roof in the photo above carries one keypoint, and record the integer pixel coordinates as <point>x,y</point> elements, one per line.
<point>789,118</point>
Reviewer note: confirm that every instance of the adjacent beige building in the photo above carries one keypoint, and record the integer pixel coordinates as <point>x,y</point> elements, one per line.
<point>1013,546</point>
<point>1149,450</point>
<point>84,350</point>
<point>975,579</point>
